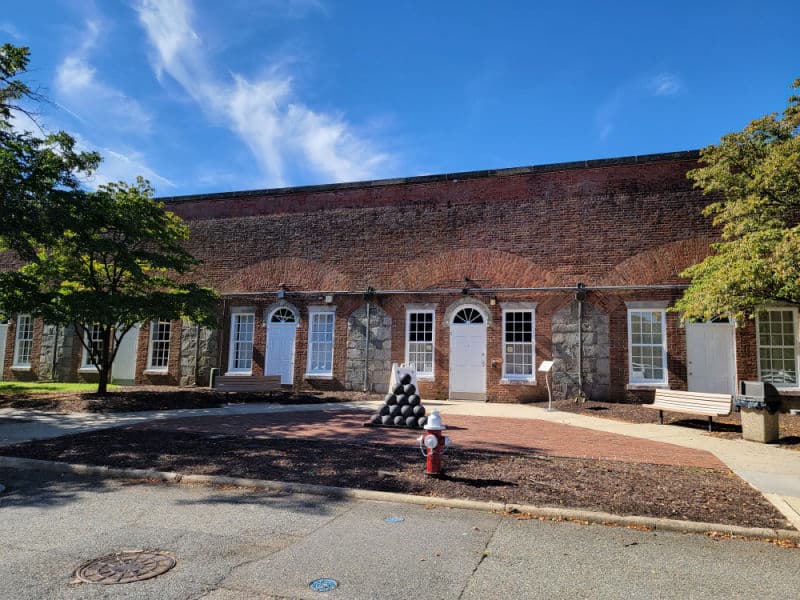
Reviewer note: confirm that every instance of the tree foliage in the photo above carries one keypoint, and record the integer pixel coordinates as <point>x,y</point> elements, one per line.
<point>116,264</point>
<point>755,176</point>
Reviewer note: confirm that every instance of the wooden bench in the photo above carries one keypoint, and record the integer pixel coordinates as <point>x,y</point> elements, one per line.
<point>692,403</point>
<point>247,383</point>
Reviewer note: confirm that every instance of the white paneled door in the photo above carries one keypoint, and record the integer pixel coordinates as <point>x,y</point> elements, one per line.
<point>280,351</point>
<point>711,357</point>
<point>468,361</point>
<point>3,335</point>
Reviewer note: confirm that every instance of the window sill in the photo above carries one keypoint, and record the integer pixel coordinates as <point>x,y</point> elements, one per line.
<point>155,372</point>
<point>238,373</point>
<point>325,376</point>
<point>21,368</point>
<point>647,386</point>
<point>507,381</point>
<point>425,377</point>
<point>89,369</point>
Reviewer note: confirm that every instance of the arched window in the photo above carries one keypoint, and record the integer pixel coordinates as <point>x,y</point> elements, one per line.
<point>283,315</point>
<point>468,315</point>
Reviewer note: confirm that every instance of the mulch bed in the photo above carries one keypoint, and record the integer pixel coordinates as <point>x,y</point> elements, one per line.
<point>689,493</point>
<point>138,398</point>
<point>729,427</point>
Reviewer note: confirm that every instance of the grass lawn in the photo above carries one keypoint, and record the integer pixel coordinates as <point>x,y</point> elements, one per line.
<point>37,387</point>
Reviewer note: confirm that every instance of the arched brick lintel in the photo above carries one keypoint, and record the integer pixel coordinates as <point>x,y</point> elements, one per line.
<point>483,266</point>
<point>296,273</point>
<point>660,265</point>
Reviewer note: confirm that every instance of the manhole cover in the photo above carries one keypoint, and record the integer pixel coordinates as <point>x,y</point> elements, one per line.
<point>323,585</point>
<point>126,567</point>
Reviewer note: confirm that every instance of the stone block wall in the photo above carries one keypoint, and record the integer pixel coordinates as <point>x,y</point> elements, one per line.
<point>593,356</point>
<point>377,357</point>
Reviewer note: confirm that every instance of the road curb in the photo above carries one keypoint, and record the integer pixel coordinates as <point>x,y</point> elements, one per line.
<point>653,523</point>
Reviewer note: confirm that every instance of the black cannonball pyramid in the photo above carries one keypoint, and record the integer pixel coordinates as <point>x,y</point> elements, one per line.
<point>406,410</point>
<point>376,419</point>
<point>414,399</point>
<point>398,389</point>
<point>402,399</point>
<point>384,410</point>
<point>411,421</point>
<point>387,420</point>
<point>421,421</point>
<point>405,379</point>
<point>409,389</point>
<point>399,420</point>
<point>418,410</point>
<point>390,399</point>
<point>394,410</point>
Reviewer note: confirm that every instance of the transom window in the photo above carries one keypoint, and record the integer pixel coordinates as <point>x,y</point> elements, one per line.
<point>23,341</point>
<point>419,341</point>
<point>320,343</point>
<point>518,355</point>
<point>241,353</point>
<point>777,346</point>
<point>647,351</point>
<point>468,315</point>
<point>283,315</point>
<point>159,345</point>
<point>93,337</point>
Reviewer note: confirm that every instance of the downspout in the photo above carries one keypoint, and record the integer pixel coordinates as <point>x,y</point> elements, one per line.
<point>580,296</point>
<point>368,296</point>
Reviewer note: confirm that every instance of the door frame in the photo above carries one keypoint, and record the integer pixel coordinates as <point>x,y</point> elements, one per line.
<point>294,325</point>
<point>475,396</point>
<point>730,325</point>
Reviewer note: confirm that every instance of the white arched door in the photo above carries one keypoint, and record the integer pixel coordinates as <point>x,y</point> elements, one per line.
<point>468,355</point>
<point>281,330</point>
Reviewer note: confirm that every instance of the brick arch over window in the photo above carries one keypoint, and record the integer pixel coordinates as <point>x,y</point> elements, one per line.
<point>660,265</point>
<point>296,273</point>
<point>487,268</point>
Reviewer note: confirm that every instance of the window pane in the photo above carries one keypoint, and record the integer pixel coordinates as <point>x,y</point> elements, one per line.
<point>647,346</point>
<point>159,344</point>
<point>518,344</point>
<point>320,346</point>
<point>242,341</point>
<point>420,341</point>
<point>777,349</point>
<point>24,340</point>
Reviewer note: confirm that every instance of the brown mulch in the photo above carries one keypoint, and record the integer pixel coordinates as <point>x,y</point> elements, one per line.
<point>138,398</point>
<point>729,427</point>
<point>688,493</point>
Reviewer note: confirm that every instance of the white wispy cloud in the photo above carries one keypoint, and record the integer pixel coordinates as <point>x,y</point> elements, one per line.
<point>665,84</point>
<point>637,90</point>
<point>82,93</point>
<point>9,29</point>
<point>266,114</point>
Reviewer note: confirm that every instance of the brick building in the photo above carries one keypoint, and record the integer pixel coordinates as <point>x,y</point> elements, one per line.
<point>474,277</point>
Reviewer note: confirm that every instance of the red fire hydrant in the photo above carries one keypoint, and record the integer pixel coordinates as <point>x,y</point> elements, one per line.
<point>433,444</point>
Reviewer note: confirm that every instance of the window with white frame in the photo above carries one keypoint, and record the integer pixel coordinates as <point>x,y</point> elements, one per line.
<point>777,346</point>
<point>320,342</point>
<point>419,341</point>
<point>93,338</point>
<point>241,348</point>
<point>158,353</point>
<point>23,342</point>
<point>647,346</point>
<point>518,349</point>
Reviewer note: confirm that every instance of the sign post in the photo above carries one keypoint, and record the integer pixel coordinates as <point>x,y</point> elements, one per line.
<point>546,367</point>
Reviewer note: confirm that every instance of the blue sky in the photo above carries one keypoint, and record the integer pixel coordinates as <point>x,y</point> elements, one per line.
<point>207,96</point>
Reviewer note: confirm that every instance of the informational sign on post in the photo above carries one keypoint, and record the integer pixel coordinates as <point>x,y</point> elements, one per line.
<point>546,367</point>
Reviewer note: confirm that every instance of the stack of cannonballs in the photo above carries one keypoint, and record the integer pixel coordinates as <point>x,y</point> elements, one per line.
<point>402,406</point>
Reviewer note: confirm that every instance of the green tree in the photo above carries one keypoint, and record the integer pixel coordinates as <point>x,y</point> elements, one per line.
<point>117,263</point>
<point>40,175</point>
<point>754,176</point>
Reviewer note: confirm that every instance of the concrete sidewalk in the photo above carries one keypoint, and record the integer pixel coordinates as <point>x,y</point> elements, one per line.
<point>773,471</point>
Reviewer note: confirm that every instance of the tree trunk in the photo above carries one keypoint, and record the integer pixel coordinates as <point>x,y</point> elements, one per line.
<point>102,385</point>
<point>104,368</point>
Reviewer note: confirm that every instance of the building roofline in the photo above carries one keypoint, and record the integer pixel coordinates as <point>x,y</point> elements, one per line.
<point>547,168</point>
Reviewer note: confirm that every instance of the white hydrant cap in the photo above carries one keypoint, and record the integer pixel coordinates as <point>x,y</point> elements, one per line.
<point>434,422</point>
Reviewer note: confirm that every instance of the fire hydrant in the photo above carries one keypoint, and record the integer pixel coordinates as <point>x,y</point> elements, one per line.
<point>433,444</point>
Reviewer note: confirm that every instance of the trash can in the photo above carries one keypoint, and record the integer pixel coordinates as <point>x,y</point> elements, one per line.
<point>759,404</point>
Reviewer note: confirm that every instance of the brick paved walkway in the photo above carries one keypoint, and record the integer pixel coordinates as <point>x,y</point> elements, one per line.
<point>480,433</point>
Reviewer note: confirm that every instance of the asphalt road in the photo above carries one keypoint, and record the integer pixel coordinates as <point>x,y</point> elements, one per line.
<point>236,544</point>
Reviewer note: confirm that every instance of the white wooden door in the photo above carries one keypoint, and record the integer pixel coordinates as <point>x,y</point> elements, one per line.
<point>280,351</point>
<point>3,335</point>
<point>711,357</point>
<point>468,361</point>
<point>124,368</point>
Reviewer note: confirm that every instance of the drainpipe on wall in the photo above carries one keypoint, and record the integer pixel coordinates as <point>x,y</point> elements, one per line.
<point>368,296</point>
<point>580,296</point>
